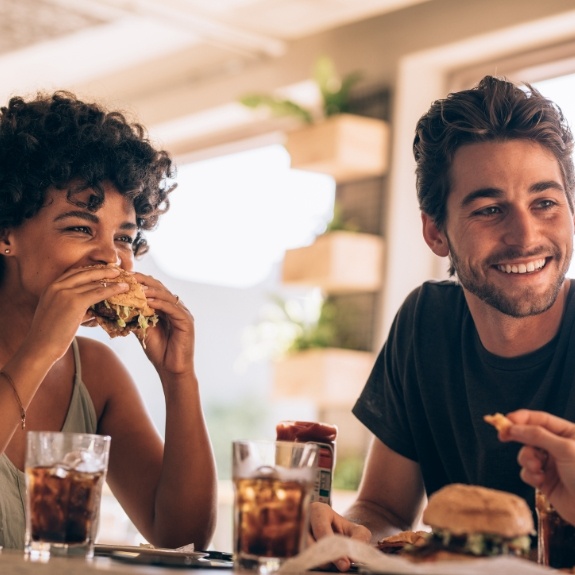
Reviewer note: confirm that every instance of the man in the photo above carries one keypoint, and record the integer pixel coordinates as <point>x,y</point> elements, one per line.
<point>495,183</point>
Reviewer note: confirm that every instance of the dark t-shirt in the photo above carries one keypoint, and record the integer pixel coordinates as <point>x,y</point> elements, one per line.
<point>434,381</point>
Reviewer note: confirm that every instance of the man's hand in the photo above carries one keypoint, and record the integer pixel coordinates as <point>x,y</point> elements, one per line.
<point>325,521</point>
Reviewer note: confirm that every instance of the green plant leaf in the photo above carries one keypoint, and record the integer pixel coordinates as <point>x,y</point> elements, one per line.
<point>338,223</point>
<point>347,473</point>
<point>277,106</point>
<point>325,75</point>
<point>335,94</point>
<point>334,90</point>
<point>339,102</point>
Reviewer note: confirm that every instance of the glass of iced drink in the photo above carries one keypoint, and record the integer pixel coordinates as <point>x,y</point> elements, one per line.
<point>273,481</point>
<point>555,536</point>
<point>65,473</point>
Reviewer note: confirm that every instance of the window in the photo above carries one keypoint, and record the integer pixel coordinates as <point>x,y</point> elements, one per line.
<point>230,222</point>
<point>561,89</point>
<point>234,216</point>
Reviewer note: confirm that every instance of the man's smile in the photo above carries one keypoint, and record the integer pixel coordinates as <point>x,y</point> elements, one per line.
<point>522,268</point>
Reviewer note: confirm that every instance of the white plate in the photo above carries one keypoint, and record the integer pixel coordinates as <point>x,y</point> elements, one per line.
<point>103,549</point>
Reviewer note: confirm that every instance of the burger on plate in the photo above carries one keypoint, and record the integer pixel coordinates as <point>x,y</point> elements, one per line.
<point>126,312</point>
<point>472,521</point>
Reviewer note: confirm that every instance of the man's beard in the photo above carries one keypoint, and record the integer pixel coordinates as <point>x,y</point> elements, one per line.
<point>527,304</point>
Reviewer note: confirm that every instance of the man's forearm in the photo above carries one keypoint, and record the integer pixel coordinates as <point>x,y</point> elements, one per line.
<point>380,521</point>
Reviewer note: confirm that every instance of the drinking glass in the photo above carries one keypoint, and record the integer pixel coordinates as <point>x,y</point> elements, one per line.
<point>65,473</point>
<point>555,536</point>
<point>273,482</point>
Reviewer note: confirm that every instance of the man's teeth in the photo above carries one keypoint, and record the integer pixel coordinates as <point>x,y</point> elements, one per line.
<point>522,268</point>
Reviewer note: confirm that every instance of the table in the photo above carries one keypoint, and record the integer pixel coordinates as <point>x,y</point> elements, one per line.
<point>12,562</point>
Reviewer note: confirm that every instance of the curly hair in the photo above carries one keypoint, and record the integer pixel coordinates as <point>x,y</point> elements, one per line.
<point>495,110</point>
<point>58,141</point>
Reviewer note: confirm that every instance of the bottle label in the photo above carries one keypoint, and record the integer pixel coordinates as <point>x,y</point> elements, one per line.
<point>323,435</point>
<point>322,485</point>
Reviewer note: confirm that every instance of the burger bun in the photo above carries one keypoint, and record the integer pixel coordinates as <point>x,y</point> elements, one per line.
<point>133,304</point>
<point>464,509</point>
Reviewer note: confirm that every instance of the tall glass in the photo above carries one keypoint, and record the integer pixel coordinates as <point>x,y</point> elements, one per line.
<point>273,482</point>
<point>555,536</point>
<point>65,473</point>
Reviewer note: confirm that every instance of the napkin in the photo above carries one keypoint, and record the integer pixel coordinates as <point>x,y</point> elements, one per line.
<point>331,548</point>
<point>189,548</point>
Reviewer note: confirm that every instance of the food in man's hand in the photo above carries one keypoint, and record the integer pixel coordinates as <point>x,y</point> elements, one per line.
<point>398,541</point>
<point>469,521</point>
<point>498,420</point>
<point>126,312</point>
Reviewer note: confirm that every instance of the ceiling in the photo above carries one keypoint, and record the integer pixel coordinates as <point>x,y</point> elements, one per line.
<point>130,51</point>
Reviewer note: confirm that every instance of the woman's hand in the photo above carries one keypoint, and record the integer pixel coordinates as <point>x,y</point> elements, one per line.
<point>547,458</point>
<point>170,343</point>
<point>63,307</point>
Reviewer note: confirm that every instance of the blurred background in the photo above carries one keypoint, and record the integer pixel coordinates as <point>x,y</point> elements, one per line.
<point>293,265</point>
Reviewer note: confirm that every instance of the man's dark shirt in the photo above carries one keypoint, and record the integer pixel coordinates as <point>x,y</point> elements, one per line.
<point>434,381</point>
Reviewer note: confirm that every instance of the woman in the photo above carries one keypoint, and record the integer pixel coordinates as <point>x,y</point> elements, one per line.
<point>78,185</point>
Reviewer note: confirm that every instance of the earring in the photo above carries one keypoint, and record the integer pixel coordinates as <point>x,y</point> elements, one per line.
<point>7,251</point>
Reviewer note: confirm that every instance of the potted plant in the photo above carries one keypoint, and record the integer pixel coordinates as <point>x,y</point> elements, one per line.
<point>323,363</point>
<point>315,354</point>
<point>340,260</point>
<point>343,145</point>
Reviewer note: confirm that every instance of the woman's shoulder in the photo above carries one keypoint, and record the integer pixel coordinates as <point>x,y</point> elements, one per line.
<point>101,369</point>
<point>86,341</point>
<point>92,350</point>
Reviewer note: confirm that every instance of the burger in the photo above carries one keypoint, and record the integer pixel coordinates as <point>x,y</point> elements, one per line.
<point>470,521</point>
<point>125,312</point>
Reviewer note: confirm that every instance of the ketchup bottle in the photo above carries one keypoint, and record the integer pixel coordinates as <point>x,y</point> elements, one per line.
<point>323,434</point>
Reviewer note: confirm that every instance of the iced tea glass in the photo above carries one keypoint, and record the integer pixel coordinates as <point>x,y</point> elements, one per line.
<point>273,482</point>
<point>555,536</point>
<point>65,473</point>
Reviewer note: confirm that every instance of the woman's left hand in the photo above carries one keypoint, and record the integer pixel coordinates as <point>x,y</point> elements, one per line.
<point>170,343</point>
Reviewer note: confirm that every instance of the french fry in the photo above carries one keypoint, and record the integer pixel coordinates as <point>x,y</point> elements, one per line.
<point>498,420</point>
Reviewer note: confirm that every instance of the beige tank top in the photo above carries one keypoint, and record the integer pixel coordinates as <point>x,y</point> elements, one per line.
<point>81,418</point>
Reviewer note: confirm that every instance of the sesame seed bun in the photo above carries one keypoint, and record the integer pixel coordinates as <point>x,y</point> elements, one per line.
<point>464,509</point>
